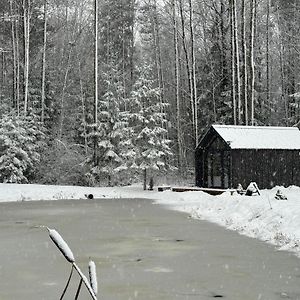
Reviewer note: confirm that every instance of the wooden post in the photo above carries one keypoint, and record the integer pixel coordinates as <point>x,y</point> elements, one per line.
<point>145,179</point>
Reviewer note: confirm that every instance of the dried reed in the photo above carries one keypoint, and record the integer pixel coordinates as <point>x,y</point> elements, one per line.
<point>93,276</point>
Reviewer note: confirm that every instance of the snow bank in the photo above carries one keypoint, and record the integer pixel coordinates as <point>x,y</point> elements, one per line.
<point>32,192</point>
<point>262,217</point>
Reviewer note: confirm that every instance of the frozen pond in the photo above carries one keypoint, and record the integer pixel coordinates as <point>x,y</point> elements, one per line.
<point>142,251</point>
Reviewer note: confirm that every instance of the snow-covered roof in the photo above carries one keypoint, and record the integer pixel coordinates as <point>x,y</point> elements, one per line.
<point>259,137</point>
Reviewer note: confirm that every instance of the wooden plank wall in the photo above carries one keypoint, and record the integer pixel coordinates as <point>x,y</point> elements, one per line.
<point>266,167</point>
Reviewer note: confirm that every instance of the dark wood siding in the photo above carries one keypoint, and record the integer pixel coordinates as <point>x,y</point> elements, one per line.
<point>199,167</point>
<point>267,168</point>
<point>296,167</point>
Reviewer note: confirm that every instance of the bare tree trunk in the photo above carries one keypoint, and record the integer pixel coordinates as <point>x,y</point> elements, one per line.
<point>252,68</point>
<point>187,63</point>
<point>245,74</point>
<point>13,44</point>
<point>44,64</point>
<point>69,47</point>
<point>83,107</point>
<point>177,83</point>
<point>2,75</point>
<point>132,48</point>
<point>95,81</point>
<point>82,94</point>
<point>155,46</point>
<point>237,62</point>
<point>123,62</point>
<point>2,71</point>
<point>18,68</point>
<point>27,57</point>
<point>159,65</point>
<point>62,100</point>
<point>233,85</point>
<point>268,58</point>
<point>162,84</point>
<point>157,54</point>
<point>194,79</point>
<point>282,75</point>
<point>26,24</point>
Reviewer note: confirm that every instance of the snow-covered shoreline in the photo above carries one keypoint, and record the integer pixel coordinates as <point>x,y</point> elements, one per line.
<point>262,217</point>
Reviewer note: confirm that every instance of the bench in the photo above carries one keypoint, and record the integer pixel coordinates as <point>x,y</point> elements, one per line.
<point>210,191</point>
<point>163,188</point>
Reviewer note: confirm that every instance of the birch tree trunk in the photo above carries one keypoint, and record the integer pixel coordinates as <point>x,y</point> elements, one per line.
<point>251,50</point>
<point>245,74</point>
<point>26,24</point>
<point>233,66</point>
<point>237,62</point>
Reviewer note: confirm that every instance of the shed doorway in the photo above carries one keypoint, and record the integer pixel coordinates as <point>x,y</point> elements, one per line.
<point>218,170</point>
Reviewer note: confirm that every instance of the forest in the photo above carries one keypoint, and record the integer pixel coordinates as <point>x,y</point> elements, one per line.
<point>106,92</point>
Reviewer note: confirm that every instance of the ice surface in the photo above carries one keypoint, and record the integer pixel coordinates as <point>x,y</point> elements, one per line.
<point>261,216</point>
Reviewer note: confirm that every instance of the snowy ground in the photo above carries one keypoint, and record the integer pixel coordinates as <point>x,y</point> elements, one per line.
<point>262,217</point>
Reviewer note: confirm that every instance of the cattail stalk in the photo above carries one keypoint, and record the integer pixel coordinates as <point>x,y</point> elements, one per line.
<point>67,285</point>
<point>78,289</point>
<point>61,245</point>
<point>68,254</point>
<point>93,276</point>
<point>85,281</point>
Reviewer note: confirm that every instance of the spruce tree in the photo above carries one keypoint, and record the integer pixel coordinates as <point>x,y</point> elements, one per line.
<point>149,122</point>
<point>21,142</point>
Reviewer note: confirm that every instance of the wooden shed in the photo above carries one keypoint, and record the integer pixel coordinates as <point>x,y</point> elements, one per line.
<point>229,155</point>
